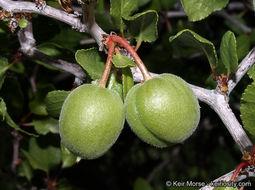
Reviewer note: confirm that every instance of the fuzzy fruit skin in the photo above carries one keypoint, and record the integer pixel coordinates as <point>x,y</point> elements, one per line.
<point>91,120</point>
<point>163,110</point>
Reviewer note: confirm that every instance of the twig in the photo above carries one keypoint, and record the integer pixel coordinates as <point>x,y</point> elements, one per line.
<point>93,29</point>
<point>15,156</point>
<point>32,79</point>
<point>175,14</point>
<point>236,6</point>
<point>222,13</point>
<point>27,43</point>
<point>219,103</point>
<point>88,41</point>
<point>232,19</point>
<point>29,7</point>
<point>227,177</point>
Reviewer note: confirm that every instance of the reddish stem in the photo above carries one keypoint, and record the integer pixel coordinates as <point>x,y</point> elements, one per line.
<point>214,74</point>
<point>108,64</point>
<point>244,163</point>
<point>140,64</point>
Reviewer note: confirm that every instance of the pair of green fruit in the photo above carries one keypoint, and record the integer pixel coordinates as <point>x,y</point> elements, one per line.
<point>161,111</point>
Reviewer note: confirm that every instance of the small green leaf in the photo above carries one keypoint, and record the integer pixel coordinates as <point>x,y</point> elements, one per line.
<point>200,9</point>
<point>243,45</point>
<point>54,101</point>
<point>4,116</point>
<point>120,9</point>
<point>3,109</point>
<point>251,72</point>
<point>4,66</point>
<point>37,104</point>
<point>25,170</point>
<point>46,125</point>
<point>143,26</point>
<point>91,62</point>
<point>68,158</point>
<point>127,81</point>
<point>44,158</point>
<point>228,52</point>
<point>188,38</point>
<point>121,61</point>
<point>141,183</point>
<point>115,85</point>
<point>248,109</point>
<point>23,23</point>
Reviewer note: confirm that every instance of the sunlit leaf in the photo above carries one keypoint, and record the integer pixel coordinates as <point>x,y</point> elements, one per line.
<point>228,53</point>
<point>127,81</point>
<point>121,61</point>
<point>122,8</point>
<point>200,9</point>
<point>243,45</point>
<point>46,125</point>
<point>115,85</point>
<point>143,26</point>
<point>91,62</point>
<point>42,158</point>
<point>68,158</point>
<point>54,101</point>
<point>248,109</point>
<point>188,38</point>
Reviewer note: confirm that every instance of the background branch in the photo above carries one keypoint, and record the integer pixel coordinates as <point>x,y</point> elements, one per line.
<point>27,46</point>
<point>29,7</point>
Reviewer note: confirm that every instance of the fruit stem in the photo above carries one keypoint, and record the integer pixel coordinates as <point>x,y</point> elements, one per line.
<point>140,64</point>
<point>107,69</point>
<point>233,177</point>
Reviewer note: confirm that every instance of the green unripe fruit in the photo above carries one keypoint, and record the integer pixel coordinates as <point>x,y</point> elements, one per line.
<point>91,120</point>
<point>163,110</point>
